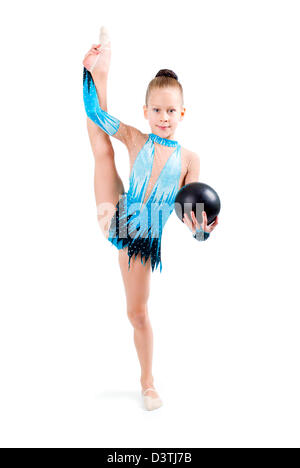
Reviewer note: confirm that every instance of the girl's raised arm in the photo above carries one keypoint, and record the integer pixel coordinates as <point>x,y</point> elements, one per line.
<point>95,73</point>
<point>109,124</point>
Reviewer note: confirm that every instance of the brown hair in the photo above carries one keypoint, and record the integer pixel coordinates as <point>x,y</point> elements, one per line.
<point>164,79</point>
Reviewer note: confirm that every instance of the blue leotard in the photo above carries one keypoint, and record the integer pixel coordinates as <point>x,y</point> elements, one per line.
<point>136,224</point>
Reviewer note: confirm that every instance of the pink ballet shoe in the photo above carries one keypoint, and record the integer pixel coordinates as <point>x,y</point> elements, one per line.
<point>150,402</point>
<point>99,61</point>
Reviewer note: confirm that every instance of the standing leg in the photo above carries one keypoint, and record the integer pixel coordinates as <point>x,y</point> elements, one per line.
<point>137,289</point>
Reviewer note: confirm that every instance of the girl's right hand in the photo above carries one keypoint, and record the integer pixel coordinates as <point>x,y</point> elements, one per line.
<point>97,59</point>
<point>90,56</point>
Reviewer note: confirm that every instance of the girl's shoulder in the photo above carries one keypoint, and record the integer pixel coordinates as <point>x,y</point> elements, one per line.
<point>136,138</point>
<point>188,156</point>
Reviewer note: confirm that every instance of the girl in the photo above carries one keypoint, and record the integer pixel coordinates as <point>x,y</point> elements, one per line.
<point>159,167</point>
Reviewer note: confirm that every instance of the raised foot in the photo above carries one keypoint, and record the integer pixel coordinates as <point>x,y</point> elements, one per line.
<point>97,59</point>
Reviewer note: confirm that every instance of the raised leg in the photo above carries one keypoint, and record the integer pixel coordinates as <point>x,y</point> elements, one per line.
<point>108,185</point>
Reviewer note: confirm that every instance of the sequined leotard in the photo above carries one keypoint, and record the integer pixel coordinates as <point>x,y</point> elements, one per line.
<point>138,224</point>
<point>144,222</point>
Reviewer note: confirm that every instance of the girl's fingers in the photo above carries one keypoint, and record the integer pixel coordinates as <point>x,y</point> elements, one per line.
<point>194,218</point>
<point>195,223</point>
<point>204,223</point>
<point>93,49</point>
<point>89,52</point>
<point>215,223</point>
<point>187,221</point>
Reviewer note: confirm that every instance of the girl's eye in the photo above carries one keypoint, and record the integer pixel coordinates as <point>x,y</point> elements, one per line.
<point>172,110</point>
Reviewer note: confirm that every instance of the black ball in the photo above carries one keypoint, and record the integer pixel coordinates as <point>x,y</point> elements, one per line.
<point>197,192</point>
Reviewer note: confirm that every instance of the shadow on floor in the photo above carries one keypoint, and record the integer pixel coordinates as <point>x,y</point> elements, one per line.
<point>128,395</point>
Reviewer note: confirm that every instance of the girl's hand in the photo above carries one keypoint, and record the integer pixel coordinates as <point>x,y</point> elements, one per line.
<point>97,59</point>
<point>90,56</point>
<point>193,225</point>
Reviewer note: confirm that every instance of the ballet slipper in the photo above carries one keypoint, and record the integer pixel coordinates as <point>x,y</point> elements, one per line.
<point>151,403</point>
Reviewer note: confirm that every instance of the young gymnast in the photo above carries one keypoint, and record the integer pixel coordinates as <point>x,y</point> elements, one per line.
<point>133,221</point>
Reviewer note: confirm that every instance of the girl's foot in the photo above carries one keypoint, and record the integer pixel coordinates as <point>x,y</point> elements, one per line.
<point>97,59</point>
<point>151,399</point>
<point>152,393</point>
<point>150,396</point>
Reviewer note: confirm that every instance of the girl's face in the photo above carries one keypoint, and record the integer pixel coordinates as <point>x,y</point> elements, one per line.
<point>164,111</point>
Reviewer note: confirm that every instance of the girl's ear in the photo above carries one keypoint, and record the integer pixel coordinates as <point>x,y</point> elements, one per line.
<point>183,109</point>
<point>145,108</point>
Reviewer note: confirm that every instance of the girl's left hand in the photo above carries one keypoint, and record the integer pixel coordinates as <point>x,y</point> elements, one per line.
<point>193,225</point>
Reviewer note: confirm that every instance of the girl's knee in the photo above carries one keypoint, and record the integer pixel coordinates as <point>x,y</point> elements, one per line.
<point>138,315</point>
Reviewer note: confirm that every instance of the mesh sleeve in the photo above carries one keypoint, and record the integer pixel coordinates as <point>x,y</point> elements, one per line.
<point>201,235</point>
<point>100,117</point>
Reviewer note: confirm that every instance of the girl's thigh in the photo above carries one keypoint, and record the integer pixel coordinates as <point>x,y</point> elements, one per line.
<point>136,280</point>
<point>108,184</point>
<point>108,190</point>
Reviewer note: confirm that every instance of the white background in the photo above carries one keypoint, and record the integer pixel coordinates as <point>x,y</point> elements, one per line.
<point>225,313</point>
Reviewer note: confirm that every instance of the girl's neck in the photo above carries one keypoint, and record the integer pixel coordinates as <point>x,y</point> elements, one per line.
<point>163,141</point>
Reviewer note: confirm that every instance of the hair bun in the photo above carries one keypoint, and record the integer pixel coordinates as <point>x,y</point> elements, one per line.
<point>168,73</point>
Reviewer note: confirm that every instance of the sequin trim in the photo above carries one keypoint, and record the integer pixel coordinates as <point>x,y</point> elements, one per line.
<point>148,247</point>
<point>162,141</point>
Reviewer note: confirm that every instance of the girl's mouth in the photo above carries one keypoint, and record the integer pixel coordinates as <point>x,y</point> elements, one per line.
<point>162,128</point>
